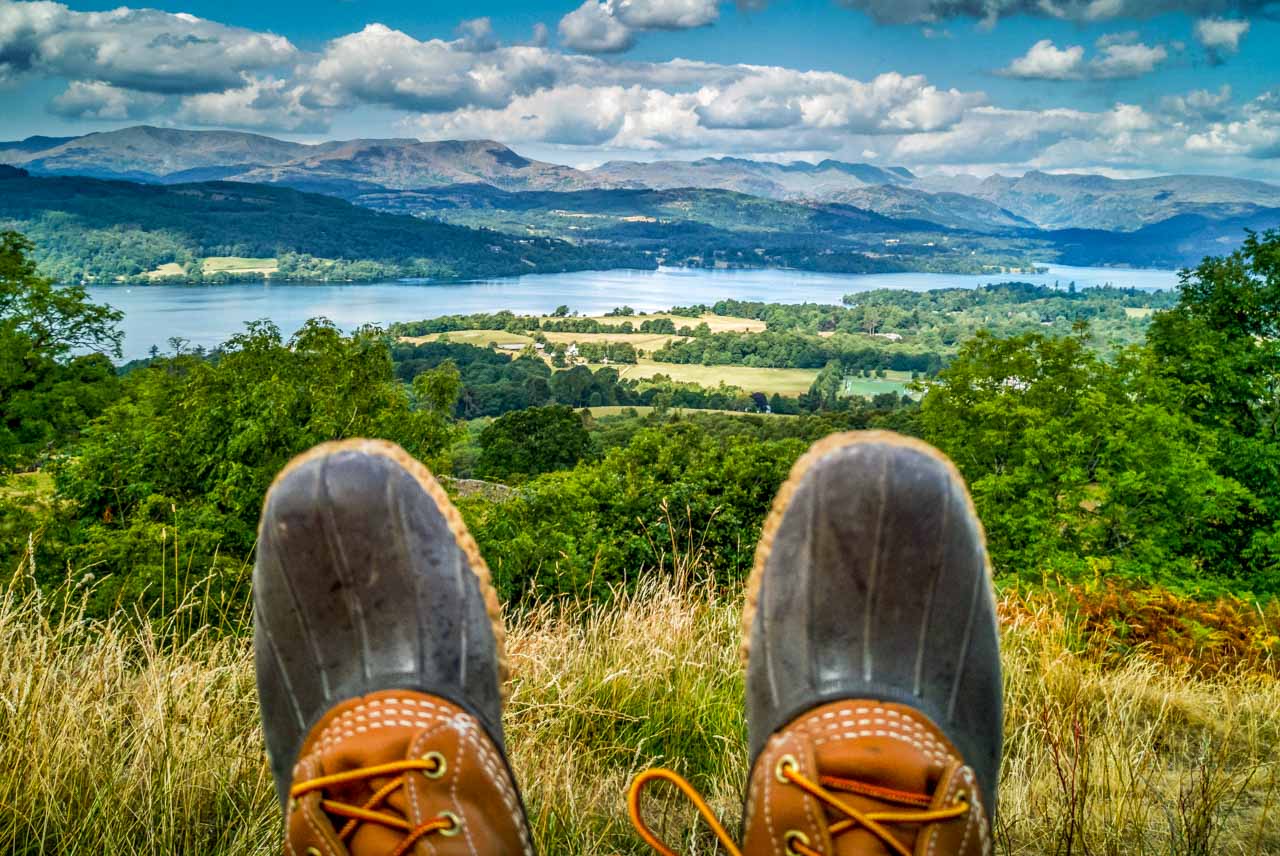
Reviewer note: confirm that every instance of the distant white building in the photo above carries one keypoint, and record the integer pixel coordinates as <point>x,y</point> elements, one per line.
<point>892,337</point>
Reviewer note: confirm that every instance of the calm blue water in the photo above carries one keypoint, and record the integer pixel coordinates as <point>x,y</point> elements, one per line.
<point>208,315</point>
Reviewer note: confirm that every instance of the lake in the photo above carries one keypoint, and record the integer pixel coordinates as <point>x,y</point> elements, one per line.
<point>209,314</point>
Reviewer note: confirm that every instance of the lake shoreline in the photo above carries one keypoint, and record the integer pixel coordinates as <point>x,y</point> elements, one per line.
<point>207,315</point>
<point>177,282</point>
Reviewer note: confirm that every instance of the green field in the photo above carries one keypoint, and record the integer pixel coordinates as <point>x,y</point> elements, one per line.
<point>869,386</point>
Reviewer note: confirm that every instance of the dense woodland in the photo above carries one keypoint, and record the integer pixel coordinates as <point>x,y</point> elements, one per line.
<point>1153,462</point>
<point>94,230</point>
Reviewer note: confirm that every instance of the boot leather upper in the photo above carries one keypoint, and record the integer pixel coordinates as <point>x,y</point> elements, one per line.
<point>476,785</point>
<point>873,743</point>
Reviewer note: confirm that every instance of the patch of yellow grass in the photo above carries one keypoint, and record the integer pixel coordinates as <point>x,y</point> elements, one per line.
<point>117,741</point>
<point>717,323</point>
<point>641,410</point>
<point>768,381</point>
<point>38,486</point>
<point>479,338</point>
<point>238,264</point>
<point>642,341</point>
<point>170,269</point>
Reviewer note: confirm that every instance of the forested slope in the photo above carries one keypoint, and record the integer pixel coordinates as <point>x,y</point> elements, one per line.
<point>96,229</point>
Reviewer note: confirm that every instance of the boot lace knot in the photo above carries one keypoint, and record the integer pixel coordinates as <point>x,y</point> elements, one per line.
<point>432,765</point>
<point>915,809</point>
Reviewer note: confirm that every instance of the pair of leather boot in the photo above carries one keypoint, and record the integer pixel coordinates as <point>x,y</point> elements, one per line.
<point>873,672</point>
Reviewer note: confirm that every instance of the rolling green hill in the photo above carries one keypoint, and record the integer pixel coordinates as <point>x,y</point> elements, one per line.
<point>92,229</point>
<point>701,226</point>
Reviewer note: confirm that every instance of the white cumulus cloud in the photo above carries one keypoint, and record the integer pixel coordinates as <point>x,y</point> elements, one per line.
<point>610,26</point>
<point>1220,36</point>
<point>1046,61</point>
<point>93,99</point>
<point>140,49</point>
<point>265,104</point>
<point>666,14</point>
<point>763,108</point>
<point>1119,56</point>
<point>379,65</point>
<point>1127,60</point>
<point>593,28</point>
<point>1253,133</point>
<point>1198,104</point>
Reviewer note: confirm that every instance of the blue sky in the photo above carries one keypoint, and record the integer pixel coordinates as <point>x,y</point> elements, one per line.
<point>937,85</point>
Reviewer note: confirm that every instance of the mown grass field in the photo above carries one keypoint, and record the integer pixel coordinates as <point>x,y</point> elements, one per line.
<point>717,323</point>
<point>170,269</point>
<point>479,338</point>
<point>641,410</point>
<point>116,741</point>
<point>644,342</point>
<point>238,264</point>
<point>869,386</point>
<point>768,381</point>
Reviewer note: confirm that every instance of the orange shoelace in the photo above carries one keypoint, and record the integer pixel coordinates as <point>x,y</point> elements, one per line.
<point>433,765</point>
<point>797,843</point>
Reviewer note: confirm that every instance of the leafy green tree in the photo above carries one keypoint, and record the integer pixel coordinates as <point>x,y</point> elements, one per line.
<point>675,492</point>
<point>532,441</point>
<point>187,454</point>
<point>1079,466</point>
<point>46,393</point>
<point>1219,349</point>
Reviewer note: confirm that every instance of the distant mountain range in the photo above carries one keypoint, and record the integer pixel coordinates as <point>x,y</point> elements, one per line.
<point>1040,216</point>
<point>169,156</point>
<point>1067,201</point>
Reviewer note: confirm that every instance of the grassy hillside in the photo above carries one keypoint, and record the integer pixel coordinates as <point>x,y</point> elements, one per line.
<point>105,230</point>
<point>120,742</point>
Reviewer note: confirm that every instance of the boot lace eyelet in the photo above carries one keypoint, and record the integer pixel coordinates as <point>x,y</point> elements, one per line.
<point>440,765</point>
<point>453,819</point>
<point>785,762</point>
<point>791,837</point>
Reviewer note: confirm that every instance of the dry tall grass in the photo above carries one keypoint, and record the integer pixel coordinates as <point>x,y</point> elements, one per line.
<point>114,741</point>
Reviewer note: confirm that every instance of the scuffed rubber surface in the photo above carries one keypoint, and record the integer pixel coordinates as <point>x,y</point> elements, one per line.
<point>362,583</point>
<point>872,582</point>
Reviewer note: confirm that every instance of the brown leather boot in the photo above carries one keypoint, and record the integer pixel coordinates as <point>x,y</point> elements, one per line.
<point>379,648</point>
<point>873,667</point>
